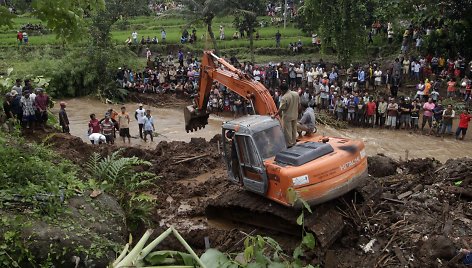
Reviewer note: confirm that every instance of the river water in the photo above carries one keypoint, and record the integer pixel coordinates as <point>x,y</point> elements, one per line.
<point>170,125</point>
<point>169,122</point>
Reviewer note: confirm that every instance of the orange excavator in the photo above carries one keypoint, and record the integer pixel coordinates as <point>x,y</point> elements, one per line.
<point>317,169</point>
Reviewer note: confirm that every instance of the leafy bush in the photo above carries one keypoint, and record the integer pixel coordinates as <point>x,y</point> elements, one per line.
<point>32,175</point>
<point>117,175</point>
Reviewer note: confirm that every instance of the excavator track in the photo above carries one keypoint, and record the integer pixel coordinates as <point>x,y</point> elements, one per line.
<point>252,209</point>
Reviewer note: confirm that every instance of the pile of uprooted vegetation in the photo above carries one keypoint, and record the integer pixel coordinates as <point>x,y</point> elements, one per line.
<point>415,214</point>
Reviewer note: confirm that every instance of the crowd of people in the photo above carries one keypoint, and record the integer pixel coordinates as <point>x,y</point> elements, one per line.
<point>104,130</point>
<point>28,107</point>
<point>363,95</point>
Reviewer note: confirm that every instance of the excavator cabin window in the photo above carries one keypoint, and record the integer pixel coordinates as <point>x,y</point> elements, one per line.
<point>249,155</point>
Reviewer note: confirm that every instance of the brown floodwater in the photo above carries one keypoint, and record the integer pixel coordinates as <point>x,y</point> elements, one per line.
<point>404,144</point>
<point>169,122</point>
<point>170,125</point>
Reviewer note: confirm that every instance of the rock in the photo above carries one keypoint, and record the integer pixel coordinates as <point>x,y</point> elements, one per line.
<point>381,166</point>
<point>89,229</point>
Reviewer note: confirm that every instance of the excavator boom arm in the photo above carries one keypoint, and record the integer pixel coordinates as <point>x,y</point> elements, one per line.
<point>196,116</point>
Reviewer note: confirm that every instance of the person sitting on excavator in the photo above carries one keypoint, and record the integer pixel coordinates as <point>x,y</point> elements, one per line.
<point>308,121</point>
<point>289,106</point>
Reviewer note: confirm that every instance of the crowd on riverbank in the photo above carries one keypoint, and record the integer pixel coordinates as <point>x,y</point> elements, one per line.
<point>363,95</point>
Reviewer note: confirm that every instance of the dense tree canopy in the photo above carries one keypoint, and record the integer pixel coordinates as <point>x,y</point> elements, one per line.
<point>340,24</point>
<point>204,11</point>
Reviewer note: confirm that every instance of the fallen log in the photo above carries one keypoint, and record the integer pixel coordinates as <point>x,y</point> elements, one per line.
<point>190,159</point>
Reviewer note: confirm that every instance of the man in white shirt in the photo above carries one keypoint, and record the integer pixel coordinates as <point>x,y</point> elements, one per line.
<point>377,77</point>
<point>257,74</point>
<point>309,78</point>
<point>135,37</point>
<point>97,138</point>
<point>139,116</point>
<point>417,70</point>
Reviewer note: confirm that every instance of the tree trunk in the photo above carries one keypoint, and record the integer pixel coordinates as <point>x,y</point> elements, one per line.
<point>212,36</point>
<point>251,44</point>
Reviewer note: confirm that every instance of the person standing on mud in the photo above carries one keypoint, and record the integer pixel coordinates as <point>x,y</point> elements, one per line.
<point>464,120</point>
<point>289,107</point>
<point>63,118</point>
<point>108,128</point>
<point>428,108</point>
<point>94,125</point>
<point>149,126</point>
<point>41,104</point>
<point>123,123</point>
<point>27,105</point>
<point>139,116</point>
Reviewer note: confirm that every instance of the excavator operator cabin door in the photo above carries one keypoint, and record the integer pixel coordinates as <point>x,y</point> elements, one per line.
<point>252,169</point>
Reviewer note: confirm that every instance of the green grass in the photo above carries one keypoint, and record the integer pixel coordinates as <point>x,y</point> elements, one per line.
<point>151,26</point>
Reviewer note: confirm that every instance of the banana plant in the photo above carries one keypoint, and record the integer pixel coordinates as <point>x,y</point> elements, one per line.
<point>141,256</point>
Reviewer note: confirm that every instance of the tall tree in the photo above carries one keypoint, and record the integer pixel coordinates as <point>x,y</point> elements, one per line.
<point>66,18</point>
<point>204,11</point>
<point>246,13</point>
<point>340,24</point>
<point>101,54</point>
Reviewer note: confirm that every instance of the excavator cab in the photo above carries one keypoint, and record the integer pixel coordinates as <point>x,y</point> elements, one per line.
<point>247,142</point>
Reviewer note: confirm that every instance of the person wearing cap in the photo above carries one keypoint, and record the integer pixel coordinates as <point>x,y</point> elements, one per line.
<point>41,104</point>
<point>139,115</point>
<point>63,118</point>
<point>16,105</point>
<point>18,87</point>
<point>28,109</point>
<point>108,128</point>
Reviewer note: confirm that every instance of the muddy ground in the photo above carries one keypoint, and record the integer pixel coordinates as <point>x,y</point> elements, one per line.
<point>415,213</point>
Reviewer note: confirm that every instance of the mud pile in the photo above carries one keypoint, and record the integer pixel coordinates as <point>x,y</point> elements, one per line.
<point>158,100</point>
<point>180,160</point>
<point>418,217</point>
<point>415,213</point>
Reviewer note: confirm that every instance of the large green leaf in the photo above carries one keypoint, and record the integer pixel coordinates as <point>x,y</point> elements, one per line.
<point>169,257</point>
<point>309,241</point>
<point>213,258</point>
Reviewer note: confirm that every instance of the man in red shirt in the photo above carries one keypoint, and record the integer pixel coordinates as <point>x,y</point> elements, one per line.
<point>41,103</point>
<point>464,119</point>
<point>94,125</point>
<point>19,37</point>
<point>371,109</point>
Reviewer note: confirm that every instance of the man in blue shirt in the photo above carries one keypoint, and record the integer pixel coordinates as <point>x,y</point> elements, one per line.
<point>361,79</point>
<point>148,125</point>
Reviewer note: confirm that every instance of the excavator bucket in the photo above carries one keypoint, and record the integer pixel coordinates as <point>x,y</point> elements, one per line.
<point>194,119</point>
